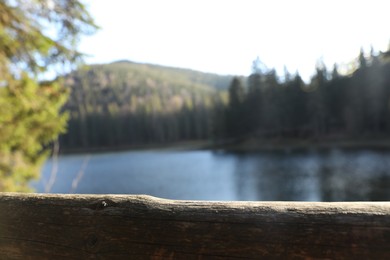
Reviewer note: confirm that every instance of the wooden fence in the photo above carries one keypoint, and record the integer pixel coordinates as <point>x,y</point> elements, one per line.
<point>37,226</point>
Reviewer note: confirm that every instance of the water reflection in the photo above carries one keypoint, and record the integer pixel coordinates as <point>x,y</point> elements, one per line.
<point>354,176</point>
<point>334,175</point>
<point>277,176</point>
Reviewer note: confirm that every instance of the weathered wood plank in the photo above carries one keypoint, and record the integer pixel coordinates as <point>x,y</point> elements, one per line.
<point>36,226</point>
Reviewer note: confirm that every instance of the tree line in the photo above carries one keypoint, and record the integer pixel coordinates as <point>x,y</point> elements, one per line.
<point>119,113</point>
<point>125,103</point>
<point>342,106</point>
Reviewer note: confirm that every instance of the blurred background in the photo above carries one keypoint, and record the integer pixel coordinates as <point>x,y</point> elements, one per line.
<point>223,100</point>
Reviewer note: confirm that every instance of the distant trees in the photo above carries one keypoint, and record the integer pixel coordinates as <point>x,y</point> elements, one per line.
<point>124,103</point>
<point>330,104</point>
<point>235,118</point>
<point>119,104</point>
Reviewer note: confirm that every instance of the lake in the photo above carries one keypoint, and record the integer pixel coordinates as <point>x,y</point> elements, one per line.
<point>334,175</point>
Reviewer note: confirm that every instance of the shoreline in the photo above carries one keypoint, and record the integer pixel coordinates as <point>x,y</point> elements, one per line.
<point>270,145</point>
<point>246,146</point>
<point>179,146</point>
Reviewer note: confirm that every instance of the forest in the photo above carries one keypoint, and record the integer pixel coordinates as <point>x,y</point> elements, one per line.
<point>125,103</point>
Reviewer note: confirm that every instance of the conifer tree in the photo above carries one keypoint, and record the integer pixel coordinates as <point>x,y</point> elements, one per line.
<point>235,115</point>
<point>36,36</point>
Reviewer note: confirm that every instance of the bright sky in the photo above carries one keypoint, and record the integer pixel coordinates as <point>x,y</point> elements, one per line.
<point>225,36</point>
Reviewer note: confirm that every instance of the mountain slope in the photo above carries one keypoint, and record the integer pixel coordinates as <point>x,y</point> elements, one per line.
<point>130,103</point>
<point>125,83</point>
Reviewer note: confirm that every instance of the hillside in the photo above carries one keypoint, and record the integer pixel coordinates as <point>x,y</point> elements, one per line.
<point>126,103</point>
<point>211,79</point>
<point>122,84</point>
<point>159,103</point>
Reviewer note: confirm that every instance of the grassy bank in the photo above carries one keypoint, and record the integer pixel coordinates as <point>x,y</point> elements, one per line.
<point>180,146</point>
<point>249,145</point>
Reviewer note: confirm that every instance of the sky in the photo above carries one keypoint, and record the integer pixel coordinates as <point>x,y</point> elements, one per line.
<point>225,36</point>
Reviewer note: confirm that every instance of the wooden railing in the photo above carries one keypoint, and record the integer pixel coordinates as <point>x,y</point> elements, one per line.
<point>36,226</point>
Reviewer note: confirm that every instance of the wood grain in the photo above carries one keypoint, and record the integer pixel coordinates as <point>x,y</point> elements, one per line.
<point>36,226</point>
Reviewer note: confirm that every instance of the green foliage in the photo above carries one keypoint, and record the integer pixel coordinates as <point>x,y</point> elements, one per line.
<point>35,36</point>
<point>38,34</point>
<point>29,120</point>
<point>143,103</point>
<point>126,103</point>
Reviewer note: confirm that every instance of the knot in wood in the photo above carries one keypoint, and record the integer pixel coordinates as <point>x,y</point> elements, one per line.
<point>91,241</point>
<point>100,205</point>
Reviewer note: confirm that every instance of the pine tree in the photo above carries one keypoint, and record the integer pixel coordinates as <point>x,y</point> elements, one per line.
<point>235,116</point>
<point>35,37</point>
<point>362,60</point>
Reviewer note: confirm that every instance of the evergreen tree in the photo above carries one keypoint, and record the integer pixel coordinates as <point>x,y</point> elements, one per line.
<point>254,101</point>
<point>295,109</point>
<point>235,120</point>
<point>35,36</point>
<point>236,93</point>
<point>362,60</point>
<point>335,72</point>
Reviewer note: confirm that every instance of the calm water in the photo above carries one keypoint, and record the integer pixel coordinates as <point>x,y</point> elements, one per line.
<point>334,175</point>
